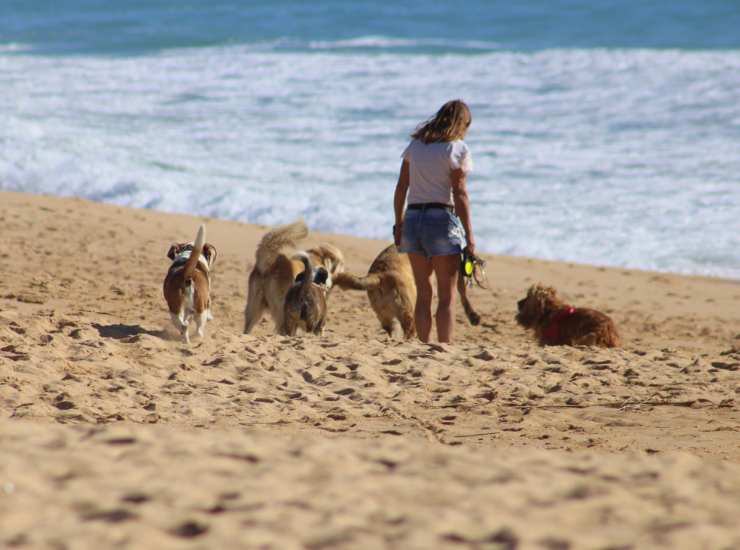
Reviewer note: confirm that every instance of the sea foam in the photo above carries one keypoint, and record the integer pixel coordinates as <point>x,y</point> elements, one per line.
<point>614,157</point>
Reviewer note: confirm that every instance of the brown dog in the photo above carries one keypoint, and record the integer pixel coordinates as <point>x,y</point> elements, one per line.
<point>391,290</point>
<point>557,324</point>
<point>305,303</point>
<point>274,272</point>
<point>187,284</point>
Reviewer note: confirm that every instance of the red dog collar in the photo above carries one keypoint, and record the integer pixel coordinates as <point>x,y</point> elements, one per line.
<point>551,335</point>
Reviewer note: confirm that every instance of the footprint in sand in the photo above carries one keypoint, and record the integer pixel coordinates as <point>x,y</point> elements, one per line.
<point>14,354</point>
<point>116,515</point>
<point>337,413</point>
<point>63,402</point>
<point>189,529</point>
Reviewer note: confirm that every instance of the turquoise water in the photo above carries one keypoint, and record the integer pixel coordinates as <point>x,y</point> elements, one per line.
<point>604,132</point>
<point>131,26</point>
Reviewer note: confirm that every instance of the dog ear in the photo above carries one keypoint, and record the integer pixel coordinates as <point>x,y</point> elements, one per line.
<point>320,276</point>
<point>336,263</point>
<point>210,252</point>
<point>173,251</point>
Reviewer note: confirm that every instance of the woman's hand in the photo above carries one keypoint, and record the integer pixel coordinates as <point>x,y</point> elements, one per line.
<point>397,232</point>
<point>462,205</point>
<point>471,245</point>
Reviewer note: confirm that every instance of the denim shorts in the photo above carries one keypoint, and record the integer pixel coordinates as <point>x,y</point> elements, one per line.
<point>432,232</point>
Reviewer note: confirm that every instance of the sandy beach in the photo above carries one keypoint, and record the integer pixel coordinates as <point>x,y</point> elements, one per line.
<point>114,434</point>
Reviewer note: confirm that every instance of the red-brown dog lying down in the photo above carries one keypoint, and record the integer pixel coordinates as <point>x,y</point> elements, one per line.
<point>557,324</point>
<point>187,284</point>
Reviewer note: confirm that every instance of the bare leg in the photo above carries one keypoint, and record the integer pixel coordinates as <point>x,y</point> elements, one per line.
<point>422,268</point>
<point>446,269</point>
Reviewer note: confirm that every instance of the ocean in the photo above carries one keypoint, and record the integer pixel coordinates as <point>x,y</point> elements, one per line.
<point>604,132</point>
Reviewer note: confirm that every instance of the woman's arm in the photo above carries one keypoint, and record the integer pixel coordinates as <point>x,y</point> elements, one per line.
<point>462,205</point>
<point>399,201</point>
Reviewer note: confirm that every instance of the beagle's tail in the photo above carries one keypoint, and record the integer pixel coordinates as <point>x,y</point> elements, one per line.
<point>192,261</point>
<point>307,268</point>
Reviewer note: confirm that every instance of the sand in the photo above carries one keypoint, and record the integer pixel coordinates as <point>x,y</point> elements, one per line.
<point>114,434</point>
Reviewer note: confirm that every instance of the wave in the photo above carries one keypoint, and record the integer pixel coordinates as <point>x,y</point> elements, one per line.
<point>132,27</point>
<point>389,43</point>
<point>363,44</point>
<point>13,47</point>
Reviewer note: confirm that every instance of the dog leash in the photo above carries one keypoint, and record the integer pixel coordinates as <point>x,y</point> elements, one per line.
<point>473,269</point>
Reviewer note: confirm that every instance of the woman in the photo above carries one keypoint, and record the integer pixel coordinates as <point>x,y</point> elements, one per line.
<point>433,175</point>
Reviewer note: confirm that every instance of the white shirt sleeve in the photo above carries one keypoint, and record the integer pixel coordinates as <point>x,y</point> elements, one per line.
<point>406,155</point>
<point>461,157</point>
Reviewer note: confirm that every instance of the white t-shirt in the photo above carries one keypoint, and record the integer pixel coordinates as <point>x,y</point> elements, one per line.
<point>430,165</point>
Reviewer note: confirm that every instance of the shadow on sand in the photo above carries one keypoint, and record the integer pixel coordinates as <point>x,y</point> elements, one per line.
<point>120,332</point>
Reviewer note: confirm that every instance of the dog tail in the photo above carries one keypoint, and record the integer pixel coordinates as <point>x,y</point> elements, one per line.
<point>348,281</point>
<point>307,268</point>
<point>306,280</point>
<point>274,241</point>
<point>192,262</point>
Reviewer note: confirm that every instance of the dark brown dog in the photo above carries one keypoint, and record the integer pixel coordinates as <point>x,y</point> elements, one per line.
<point>305,302</point>
<point>557,324</point>
<point>187,284</point>
<point>391,290</point>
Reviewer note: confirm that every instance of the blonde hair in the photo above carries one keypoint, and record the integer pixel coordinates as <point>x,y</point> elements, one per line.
<point>450,123</point>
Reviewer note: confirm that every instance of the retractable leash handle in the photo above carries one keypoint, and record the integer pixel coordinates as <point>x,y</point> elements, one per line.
<point>467,265</point>
<point>473,269</point>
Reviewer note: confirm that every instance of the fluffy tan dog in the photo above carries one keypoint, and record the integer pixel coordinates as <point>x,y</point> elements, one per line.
<point>305,303</point>
<point>187,284</point>
<point>391,290</point>
<point>557,324</point>
<point>275,271</point>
